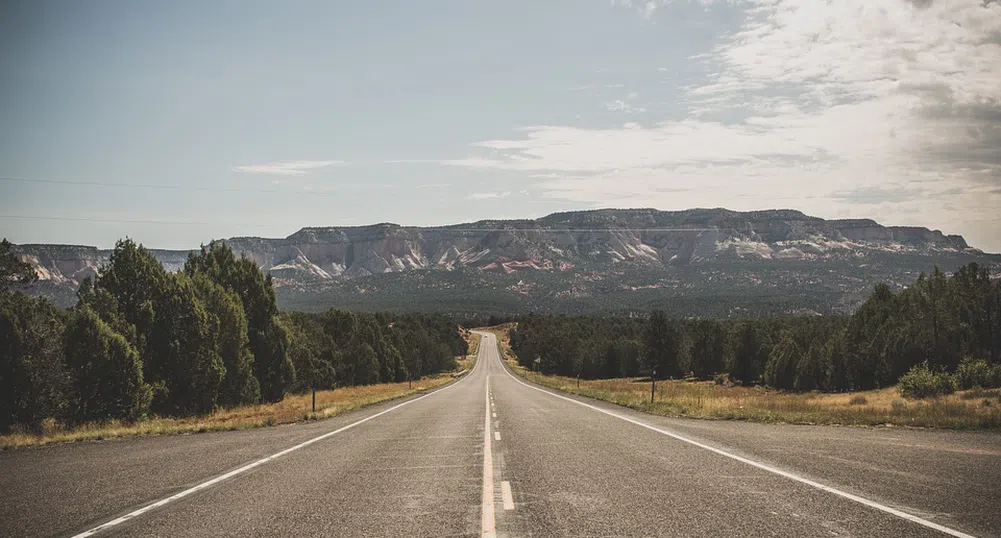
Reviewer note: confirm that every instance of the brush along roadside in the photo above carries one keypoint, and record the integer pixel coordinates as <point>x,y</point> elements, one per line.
<point>292,409</point>
<point>971,409</point>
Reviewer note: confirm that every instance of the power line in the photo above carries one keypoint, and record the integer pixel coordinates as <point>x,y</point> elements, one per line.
<point>90,219</point>
<point>185,187</point>
<point>121,221</point>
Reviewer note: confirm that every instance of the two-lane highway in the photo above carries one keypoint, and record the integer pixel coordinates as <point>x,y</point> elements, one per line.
<point>493,455</point>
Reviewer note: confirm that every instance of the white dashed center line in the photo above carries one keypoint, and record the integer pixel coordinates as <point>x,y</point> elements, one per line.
<point>489,526</point>
<point>506,493</point>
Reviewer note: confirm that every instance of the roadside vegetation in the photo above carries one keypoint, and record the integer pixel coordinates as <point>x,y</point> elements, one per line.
<point>191,350</point>
<point>292,409</point>
<point>938,323</point>
<point>971,407</point>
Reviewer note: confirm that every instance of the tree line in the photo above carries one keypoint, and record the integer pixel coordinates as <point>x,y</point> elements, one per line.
<point>944,323</point>
<point>144,341</point>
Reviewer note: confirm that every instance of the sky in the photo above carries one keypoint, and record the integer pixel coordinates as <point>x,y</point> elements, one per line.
<point>179,122</point>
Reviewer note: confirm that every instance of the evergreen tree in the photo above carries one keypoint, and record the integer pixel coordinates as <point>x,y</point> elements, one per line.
<point>628,353</point>
<point>868,336</point>
<point>661,345</point>
<point>142,339</point>
<point>273,367</point>
<point>137,281</point>
<point>707,348</point>
<point>811,372</point>
<point>971,290</point>
<point>747,353</point>
<point>34,382</point>
<point>391,360</point>
<point>183,352</point>
<point>105,305</point>
<point>780,372</point>
<point>269,338</point>
<point>304,361</point>
<point>106,371</point>
<point>12,270</point>
<point>228,327</point>
<point>363,364</point>
<point>835,358</point>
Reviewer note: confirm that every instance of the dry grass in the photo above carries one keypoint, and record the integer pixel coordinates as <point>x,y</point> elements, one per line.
<point>973,409</point>
<point>295,408</point>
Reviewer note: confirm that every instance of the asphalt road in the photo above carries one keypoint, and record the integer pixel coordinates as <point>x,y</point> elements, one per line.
<point>556,466</point>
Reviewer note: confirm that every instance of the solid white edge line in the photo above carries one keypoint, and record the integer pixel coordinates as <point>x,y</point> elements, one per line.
<point>252,465</point>
<point>487,522</point>
<point>506,494</point>
<point>861,500</point>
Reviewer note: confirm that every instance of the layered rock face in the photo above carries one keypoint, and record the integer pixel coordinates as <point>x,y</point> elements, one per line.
<point>71,264</point>
<point>566,240</point>
<point>597,240</point>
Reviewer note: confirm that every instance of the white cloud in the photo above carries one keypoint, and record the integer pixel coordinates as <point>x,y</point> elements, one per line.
<point>647,8</point>
<point>626,105</point>
<point>287,168</point>
<point>595,87</point>
<point>488,195</point>
<point>807,104</point>
<point>619,105</point>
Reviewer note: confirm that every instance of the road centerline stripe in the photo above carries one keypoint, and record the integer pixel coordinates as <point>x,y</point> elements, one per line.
<point>506,494</point>
<point>487,521</point>
<point>785,474</point>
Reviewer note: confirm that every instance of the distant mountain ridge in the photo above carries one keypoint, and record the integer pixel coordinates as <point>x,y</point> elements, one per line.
<point>557,247</point>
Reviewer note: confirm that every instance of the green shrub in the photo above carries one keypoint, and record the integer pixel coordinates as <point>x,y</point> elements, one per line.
<point>974,373</point>
<point>922,382</point>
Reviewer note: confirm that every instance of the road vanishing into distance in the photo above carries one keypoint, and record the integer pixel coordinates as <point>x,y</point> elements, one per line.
<point>491,455</point>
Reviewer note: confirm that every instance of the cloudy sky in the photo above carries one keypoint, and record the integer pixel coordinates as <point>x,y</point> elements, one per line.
<point>178,122</point>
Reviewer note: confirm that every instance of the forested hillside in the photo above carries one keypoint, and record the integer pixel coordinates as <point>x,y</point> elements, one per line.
<point>939,324</point>
<point>144,341</point>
